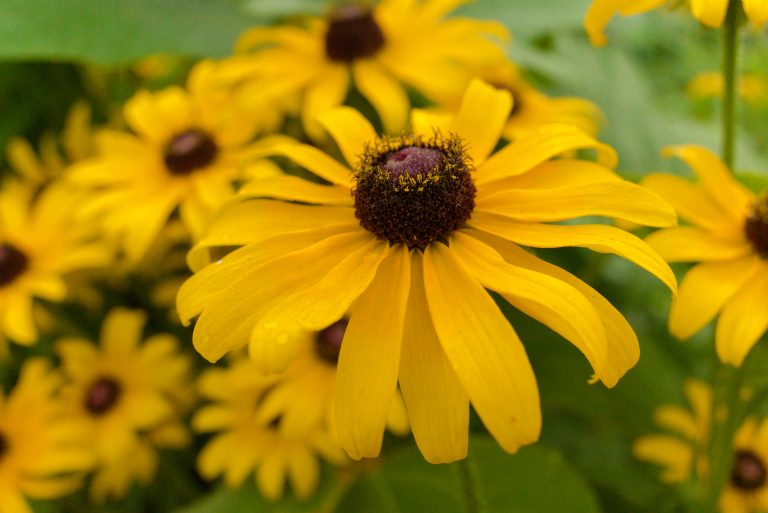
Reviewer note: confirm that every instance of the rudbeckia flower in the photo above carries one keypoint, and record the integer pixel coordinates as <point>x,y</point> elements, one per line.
<point>385,50</point>
<point>410,237</point>
<point>709,12</point>
<point>728,240</point>
<point>121,390</point>
<point>40,243</point>
<point>185,151</point>
<point>41,455</point>
<point>747,487</point>
<point>244,442</point>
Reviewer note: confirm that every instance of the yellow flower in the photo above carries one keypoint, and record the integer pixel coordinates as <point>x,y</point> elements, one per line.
<point>687,442</point>
<point>38,450</point>
<point>709,12</point>
<point>40,242</point>
<point>384,49</point>
<point>121,390</point>
<point>728,239</point>
<point>185,152</point>
<point>410,238</point>
<point>244,442</point>
<point>751,87</point>
<point>747,488</point>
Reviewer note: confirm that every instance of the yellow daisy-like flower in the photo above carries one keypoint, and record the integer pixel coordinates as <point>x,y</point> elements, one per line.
<point>709,12</point>
<point>40,242</point>
<point>186,149</point>
<point>39,451</point>
<point>728,240</point>
<point>121,390</point>
<point>689,434</point>
<point>384,49</point>
<point>244,441</point>
<point>747,488</point>
<point>410,237</point>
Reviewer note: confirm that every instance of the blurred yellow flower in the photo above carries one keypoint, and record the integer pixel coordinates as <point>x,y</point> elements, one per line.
<point>747,488</point>
<point>750,87</point>
<point>728,240</point>
<point>385,50</point>
<point>119,391</point>
<point>245,442</point>
<point>41,455</point>
<point>709,12</point>
<point>414,229</point>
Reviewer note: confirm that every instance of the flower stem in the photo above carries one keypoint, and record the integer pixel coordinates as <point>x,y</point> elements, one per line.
<point>730,45</point>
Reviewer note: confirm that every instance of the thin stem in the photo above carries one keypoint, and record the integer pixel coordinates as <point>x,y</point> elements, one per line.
<point>468,484</point>
<point>730,36</point>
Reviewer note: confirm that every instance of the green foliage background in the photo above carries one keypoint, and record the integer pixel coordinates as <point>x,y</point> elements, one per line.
<point>52,53</point>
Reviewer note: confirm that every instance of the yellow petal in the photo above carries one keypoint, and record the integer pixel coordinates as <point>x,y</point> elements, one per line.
<point>757,11</point>
<point>17,320</point>
<point>704,291</point>
<point>370,357</point>
<point>554,173</point>
<point>328,91</point>
<point>601,11</point>
<point>385,94</point>
<point>304,472</point>
<point>678,420</point>
<point>484,350</point>
<point>316,161</point>
<point>743,320</point>
<point>351,131</point>
<point>293,188</point>
<point>121,331</point>
<point>159,116</point>
<point>12,501</point>
<point>600,238</point>
<point>709,12</point>
<point>481,118</point>
<point>438,407</point>
<point>691,201</point>
<point>670,452</point>
<point>425,122</point>
<point>690,244</point>
<point>271,476</point>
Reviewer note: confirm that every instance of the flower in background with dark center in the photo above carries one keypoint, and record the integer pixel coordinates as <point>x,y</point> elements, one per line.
<point>184,152</point>
<point>727,239</point>
<point>384,50</point>
<point>121,390</point>
<point>245,442</point>
<point>40,244</point>
<point>41,454</point>
<point>406,241</point>
<point>709,12</point>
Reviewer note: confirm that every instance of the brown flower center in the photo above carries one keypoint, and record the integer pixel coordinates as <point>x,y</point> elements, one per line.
<point>748,472</point>
<point>414,191</point>
<point>756,226</point>
<point>3,445</point>
<point>12,263</point>
<point>102,396</point>
<point>189,151</point>
<point>328,341</point>
<point>352,34</point>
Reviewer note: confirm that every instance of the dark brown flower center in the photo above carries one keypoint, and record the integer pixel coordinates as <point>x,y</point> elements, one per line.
<point>352,34</point>
<point>756,226</point>
<point>414,191</point>
<point>748,472</point>
<point>189,151</point>
<point>3,445</point>
<point>328,341</point>
<point>102,395</point>
<point>12,263</point>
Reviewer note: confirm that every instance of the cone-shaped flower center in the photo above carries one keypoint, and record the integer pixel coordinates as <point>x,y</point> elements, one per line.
<point>756,226</point>
<point>328,341</point>
<point>188,151</point>
<point>102,395</point>
<point>12,263</point>
<point>748,472</point>
<point>352,34</point>
<point>414,191</point>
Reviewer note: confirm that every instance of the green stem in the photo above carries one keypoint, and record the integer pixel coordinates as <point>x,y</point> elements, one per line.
<point>468,484</point>
<point>730,36</point>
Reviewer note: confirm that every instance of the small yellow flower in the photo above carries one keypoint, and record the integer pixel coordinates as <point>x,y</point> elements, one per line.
<point>245,442</point>
<point>41,455</point>
<point>383,49</point>
<point>750,87</point>
<point>709,12</point>
<point>121,390</point>
<point>411,236</point>
<point>728,240</point>
<point>747,488</point>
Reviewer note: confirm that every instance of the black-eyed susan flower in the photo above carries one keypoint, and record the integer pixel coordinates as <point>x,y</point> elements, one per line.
<point>384,49</point>
<point>40,243</point>
<point>709,12</point>
<point>727,238</point>
<point>407,240</point>
<point>41,455</point>
<point>244,442</point>
<point>121,390</point>
<point>185,151</point>
<point>747,487</point>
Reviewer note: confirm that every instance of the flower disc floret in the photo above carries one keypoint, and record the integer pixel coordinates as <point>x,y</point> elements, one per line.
<point>328,341</point>
<point>756,226</point>
<point>12,263</point>
<point>414,191</point>
<point>352,34</point>
<point>748,472</point>
<point>190,150</point>
<point>102,395</point>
